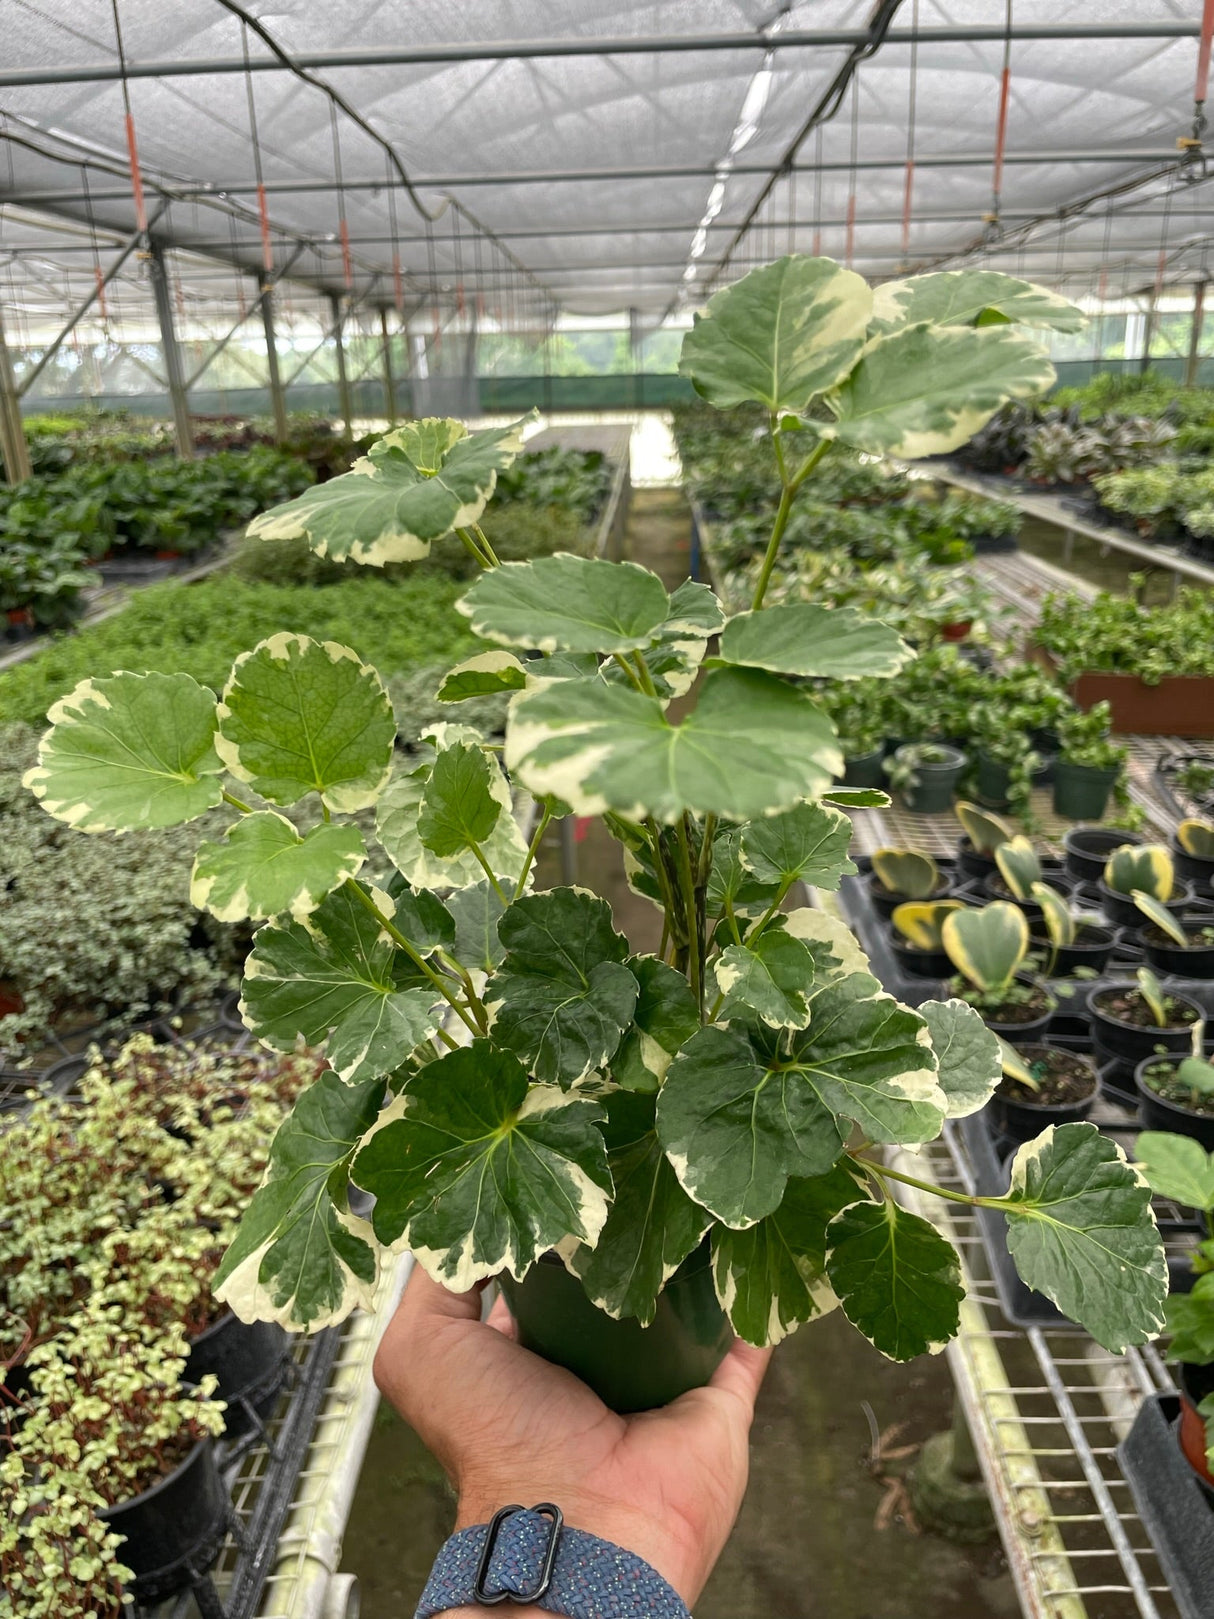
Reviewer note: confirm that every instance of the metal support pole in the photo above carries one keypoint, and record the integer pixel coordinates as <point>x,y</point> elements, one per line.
<point>389,379</point>
<point>174,370</point>
<point>13,443</point>
<point>278,400</point>
<point>1194,359</point>
<point>343,381</point>
<point>1148,332</point>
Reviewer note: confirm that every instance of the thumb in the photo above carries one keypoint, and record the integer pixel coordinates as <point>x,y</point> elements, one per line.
<point>426,1301</point>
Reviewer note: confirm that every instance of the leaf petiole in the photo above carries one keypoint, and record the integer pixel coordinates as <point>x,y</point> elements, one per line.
<point>418,961</point>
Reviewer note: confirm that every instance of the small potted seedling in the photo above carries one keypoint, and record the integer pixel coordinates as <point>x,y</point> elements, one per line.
<point>1179,949</point>
<point>1179,1168</point>
<point>1131,1022</point>
<point>916,937</point>
<point>926,775</point>
<point>988,949</point>
<point>1018,869</point>
<point>1041,1085</point>
<point>983,834</point>
<point>1178,1094</point>
<point>1146,869</point>
<point>1193,847</point>
<point>1086,850</point>
<point>1069,944</point>
<point>899,875</point>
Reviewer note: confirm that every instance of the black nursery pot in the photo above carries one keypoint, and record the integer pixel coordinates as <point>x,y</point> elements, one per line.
<point>1127,1042</point>
<point>1122,911</point>
<point>972,861</point>
<point>886,903</point>
<point>1092,948</point>
<point>173,1530</point>
<point>630,1367</point>
<point>1022,1121</point>
<point>1166,956</point>
<point>1198,870</point>
<point>919,963</point>
<point>1088,849</point>
<point>1158,1113</point>
<point>250,1360</point>
<point>865,769</point>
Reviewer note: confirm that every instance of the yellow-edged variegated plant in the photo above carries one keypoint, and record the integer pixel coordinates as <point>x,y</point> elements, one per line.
<point>1146,867</point>
<point>905,872</point>
<point>1015,1067</point>
<point>1196,837</point>
<point>1162,918</point>
<point>922,925</point>
<point>508,1075</point>
<point>988,947</point>
<point>1018,866</point>
<point>985,831</point>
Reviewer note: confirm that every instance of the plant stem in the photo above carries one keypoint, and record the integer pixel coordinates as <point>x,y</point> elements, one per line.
<point>695,968</point>
<point>236,803</point>
<point>481,560</point>
<point>418,961</point>
<point>771,910</point>
<point>488,871</point>
<point>628,670</point>
<point>494,561</point>
<point>731,918</point>
<point>883,1172</point>
<point>532,850</point>
<point>788,493</point>
<point>710,832</point>
<point>642,669</point>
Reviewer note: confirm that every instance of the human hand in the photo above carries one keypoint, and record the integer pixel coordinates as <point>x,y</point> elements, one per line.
<point>508,1426</point>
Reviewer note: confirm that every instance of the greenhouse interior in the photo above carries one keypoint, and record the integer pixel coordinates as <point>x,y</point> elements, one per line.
<point>607,792</point>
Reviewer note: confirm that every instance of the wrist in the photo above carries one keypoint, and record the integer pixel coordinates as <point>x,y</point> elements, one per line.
<point>679,1564</point>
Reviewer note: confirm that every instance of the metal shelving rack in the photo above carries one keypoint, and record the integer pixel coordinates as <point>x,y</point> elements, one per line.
<point>1046,1410</point>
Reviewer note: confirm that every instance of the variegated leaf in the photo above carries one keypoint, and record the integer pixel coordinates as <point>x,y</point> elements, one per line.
<point>263,867</point>
<point>567,603</point>
<point>971,298</point>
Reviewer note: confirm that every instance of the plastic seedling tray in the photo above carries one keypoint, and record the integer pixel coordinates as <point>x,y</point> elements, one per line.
<point>1176,1508</point>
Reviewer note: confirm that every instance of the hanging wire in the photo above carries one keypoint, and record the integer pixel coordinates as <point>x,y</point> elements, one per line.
<point>132,146</point>
<point>1005,87</point>
<point>1102,288</point>
<point>398,291</point>
<point>98,274</point>
<point>850,253</point>
<point>263,212</point>
<point>818,194</point>
<point>342,227</point>
<point>908,189</point>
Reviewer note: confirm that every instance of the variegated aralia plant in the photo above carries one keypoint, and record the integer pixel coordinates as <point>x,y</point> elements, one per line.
<point>507,1074</point>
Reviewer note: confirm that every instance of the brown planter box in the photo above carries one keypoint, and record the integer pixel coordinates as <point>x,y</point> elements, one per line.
<point>1180,705</point>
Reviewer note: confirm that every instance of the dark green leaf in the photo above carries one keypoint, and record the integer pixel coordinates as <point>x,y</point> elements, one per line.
<point>807,843</point>
<point>476,1172</point>
<point>896,1277</point>
<point>458,809</point>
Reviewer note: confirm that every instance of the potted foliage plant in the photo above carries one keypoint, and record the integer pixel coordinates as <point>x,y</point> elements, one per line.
<point>1179,1168</point>
<point>1131,1022</point>
<point>1067,943</point>
<point>1088,765</point>
<point>1177,949</point>
<point>1193,847</point>
<point>1086,850</point>
<point>1177,1093</point>
<point>1041,1085</point>
<point>983,834</point>
<point>1017,874</point>
<point>926,775</point>
<point>988,948</point>
<point>691,1110</point>
<point>899,875</point>
<point>1140,869</point>
<point>916,937</point>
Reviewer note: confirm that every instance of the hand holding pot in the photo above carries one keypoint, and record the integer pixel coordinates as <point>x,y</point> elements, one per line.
<point>508,1426</point>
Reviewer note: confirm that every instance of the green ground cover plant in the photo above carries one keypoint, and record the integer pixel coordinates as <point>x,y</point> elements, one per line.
<point>507,1074</point>
<point>200,628</point>
<point>1118,634</point>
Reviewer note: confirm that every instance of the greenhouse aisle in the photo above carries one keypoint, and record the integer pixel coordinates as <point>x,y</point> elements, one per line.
<point>818,1508</point>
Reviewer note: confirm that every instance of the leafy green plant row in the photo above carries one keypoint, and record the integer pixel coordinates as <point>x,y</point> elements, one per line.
<point>1117,634</point>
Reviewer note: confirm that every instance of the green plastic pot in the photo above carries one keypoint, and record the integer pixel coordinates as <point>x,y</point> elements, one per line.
<point>992,782</point>
<point>865,769</point>
<point>630,1367</point>
<point>1081,793</point>
<point>935,784</point>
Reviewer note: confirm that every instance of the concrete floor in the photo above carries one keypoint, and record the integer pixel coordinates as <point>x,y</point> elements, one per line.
<point>823,1532</point>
